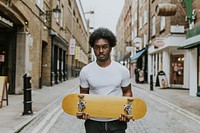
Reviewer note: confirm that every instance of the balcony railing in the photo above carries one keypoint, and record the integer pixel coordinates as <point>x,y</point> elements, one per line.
<point>193,32</point>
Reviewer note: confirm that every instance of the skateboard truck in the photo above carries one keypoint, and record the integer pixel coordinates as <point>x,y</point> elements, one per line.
<point>128,108</point>
<point>81,104</point>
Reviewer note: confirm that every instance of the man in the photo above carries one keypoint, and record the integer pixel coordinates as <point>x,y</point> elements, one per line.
<point>104,77</point>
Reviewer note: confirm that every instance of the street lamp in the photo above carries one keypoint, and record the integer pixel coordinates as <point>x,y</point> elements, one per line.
<point>88,20</point>
<point>89,12</point>
<point>47,12</point>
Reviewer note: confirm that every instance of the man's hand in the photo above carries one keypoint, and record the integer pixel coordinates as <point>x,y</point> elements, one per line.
<point>124,118</point>
<point>84,116</point>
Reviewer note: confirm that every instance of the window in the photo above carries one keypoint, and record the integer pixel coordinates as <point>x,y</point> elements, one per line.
<point>69,4</point>
<point>154,65</point>
<point>145,16</point>
<point>140,3</point>
<point>39,4</point>
<point>135,16</point>
<point>161,61</point>
<point>145,39</point>
<point>135,30</point>
<point>134,33</point>
<point>133,21</point>
<point>153,26</point>
<point>162,23</point>
<point>140,23</point>
<point>62,17</point>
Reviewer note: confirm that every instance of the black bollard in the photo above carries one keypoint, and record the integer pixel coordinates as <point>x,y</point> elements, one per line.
<point>27,95</point>
<point>151,82</point>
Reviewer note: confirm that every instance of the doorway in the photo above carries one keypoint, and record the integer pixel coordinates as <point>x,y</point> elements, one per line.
<point>177,69</point>
<point>8,58</point>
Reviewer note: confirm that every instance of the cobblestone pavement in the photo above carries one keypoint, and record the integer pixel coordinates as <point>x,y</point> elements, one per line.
<point>181,113</point>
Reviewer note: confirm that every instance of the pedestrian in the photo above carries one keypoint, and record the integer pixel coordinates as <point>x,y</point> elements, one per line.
<point>104,77</point>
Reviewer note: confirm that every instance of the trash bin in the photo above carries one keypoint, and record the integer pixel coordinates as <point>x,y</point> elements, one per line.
<point>27,95</point>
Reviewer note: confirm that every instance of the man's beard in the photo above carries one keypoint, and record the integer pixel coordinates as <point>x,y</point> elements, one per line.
<point>103,58</point>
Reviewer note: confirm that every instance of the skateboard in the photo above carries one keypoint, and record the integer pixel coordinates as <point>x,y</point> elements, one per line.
<point>99,106</point>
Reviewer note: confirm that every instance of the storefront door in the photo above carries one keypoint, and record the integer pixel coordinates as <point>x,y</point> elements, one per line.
<point>8,58</point>
<point>177,67</point>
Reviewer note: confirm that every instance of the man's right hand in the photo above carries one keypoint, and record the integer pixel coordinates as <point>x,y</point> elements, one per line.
<point>84,116</point>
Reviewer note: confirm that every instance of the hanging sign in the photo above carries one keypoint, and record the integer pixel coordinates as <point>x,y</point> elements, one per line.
<point>72,46</point>
<point>6,21</point>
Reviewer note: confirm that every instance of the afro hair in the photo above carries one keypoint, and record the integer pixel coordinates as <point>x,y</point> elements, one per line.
<point>102,33</point>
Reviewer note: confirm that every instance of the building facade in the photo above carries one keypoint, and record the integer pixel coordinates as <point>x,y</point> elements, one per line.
<point>165,40</point>
<point>192,47</point>
<point>167,33</point>
<point>35,39</point>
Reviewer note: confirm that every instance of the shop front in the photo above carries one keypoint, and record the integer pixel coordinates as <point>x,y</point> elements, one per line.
<point>164,56</point>
<point>58,61</point>
<point>176,69</point>
<point>138,65</point>
<point>192,45</point>
<point>8,50</point>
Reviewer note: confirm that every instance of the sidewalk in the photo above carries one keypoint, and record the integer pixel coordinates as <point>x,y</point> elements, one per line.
<point>178,97</point>
<point>11,118</point>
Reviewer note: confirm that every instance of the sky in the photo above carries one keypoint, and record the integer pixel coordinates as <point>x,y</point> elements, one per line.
<point>106,12</point>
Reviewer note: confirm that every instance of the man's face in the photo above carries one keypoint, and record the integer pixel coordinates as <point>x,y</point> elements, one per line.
<point>102,50</point>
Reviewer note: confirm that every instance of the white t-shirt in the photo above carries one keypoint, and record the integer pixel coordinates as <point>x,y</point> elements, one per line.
<point>105,81</point>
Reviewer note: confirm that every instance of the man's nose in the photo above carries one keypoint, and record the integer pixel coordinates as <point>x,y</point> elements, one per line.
<point>101,49</point>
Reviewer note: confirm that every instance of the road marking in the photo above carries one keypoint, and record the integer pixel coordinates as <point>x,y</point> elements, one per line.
<point>53,120</point>
<point>44,121</point>
<point>48,121</point>
<point>184,112</point>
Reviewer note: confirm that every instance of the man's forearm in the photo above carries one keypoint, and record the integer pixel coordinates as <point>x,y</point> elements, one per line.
<point>127,91</point>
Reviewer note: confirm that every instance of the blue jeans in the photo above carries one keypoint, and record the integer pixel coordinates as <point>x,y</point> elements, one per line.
<point>105,127</point>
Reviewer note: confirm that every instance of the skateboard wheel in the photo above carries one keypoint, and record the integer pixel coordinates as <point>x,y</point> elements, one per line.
<point>81,96</point>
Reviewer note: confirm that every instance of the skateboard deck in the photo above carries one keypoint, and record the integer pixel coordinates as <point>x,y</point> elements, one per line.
<point>104,106</point>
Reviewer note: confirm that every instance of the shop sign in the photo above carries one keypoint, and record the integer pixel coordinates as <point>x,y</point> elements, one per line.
<point>161,80</point>
<point>72,46</point>
<point>6,21</point>
<point>159,43</point>
<point>177,29</point>
<point>129,48</point>
<point>77,53</point>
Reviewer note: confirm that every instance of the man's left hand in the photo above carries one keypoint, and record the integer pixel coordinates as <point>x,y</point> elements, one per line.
<point>124,118</point>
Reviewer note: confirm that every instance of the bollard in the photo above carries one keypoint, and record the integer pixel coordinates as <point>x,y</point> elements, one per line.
<point>27,95</point>
<point>151,82</point>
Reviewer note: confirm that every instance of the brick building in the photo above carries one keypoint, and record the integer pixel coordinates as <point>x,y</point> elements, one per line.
<point>192,46</point>
<point>165,39</point>
<point>35,39</point>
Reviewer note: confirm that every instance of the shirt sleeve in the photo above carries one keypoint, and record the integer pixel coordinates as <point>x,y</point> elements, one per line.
<point>83,79</point>
<point>126,78</point>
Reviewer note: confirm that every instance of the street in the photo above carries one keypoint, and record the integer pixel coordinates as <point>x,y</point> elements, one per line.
<point>161,116</point>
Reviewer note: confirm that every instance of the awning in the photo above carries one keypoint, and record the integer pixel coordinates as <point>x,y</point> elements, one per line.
<point>127,56</point>
<point>191,43</point>
<point>137,55</point>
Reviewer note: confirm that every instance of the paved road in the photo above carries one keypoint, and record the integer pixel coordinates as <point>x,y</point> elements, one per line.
<point>162,116</point>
